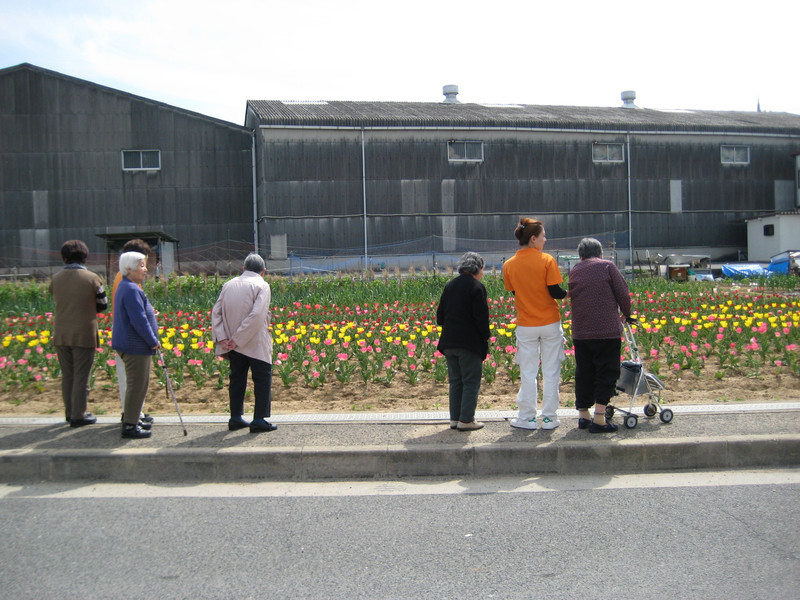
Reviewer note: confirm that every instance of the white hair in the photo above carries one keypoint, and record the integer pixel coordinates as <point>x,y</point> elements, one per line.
<point>129,261</point>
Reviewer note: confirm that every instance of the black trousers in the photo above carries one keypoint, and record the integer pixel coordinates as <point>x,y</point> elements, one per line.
<point>596,371</point>
<point>262,385</point>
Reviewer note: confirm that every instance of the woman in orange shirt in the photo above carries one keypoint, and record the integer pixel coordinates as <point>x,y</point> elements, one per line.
<point>533,277</point>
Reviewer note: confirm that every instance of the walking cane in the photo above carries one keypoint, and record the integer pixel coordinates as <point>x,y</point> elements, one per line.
<point>171,392</point>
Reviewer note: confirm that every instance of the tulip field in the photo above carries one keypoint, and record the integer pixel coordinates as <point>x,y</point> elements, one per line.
<point>357,331</point>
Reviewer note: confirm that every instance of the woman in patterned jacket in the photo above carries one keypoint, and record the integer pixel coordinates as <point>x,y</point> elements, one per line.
<point>598,293</point>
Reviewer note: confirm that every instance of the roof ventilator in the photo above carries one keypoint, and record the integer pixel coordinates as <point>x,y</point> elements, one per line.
<point>627,99</point>
<point>450,92</point>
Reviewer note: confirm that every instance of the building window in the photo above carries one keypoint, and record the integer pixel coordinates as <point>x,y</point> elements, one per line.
<point>676,195</point>
<point>769,229</point>
<point>464,151</point>
<point>604,153</point>
<point>735,155</point>
<point>141,160</point>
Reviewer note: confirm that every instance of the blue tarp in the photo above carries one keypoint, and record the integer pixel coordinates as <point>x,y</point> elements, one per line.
<point>744,270</point>
<point>780,262</point>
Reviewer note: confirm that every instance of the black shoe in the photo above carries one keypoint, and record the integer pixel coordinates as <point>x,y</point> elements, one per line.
<point>584,423</point>
<point>145,418</point>
<point>147,426</point>
<point>88,419</point>
<point>607,428</point>
<point>259,425</point>
<point>237,423</point>
<point>134,431</point>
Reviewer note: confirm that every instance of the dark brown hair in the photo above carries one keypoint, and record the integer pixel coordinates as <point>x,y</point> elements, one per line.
<point>136,245</point>
<point>526,229</point>
<point>74,251</point>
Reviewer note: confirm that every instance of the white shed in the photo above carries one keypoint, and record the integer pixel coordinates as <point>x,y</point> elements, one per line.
<point>771,234</point>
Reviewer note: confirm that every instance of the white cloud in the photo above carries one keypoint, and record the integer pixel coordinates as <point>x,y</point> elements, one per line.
<point>213,56</point>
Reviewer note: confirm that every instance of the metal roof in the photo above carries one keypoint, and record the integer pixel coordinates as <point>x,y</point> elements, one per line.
<point>115,241</point>
<point>23,67</point>
<point>462,115</point>
<point>779,213</point>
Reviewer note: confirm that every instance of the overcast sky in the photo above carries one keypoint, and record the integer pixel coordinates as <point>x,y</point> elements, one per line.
<point>211,57</point>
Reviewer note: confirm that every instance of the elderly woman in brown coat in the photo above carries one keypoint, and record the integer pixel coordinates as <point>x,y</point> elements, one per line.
<point>79,295</point>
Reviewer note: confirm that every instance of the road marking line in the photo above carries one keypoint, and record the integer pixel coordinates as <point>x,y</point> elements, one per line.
<point>409,487</point>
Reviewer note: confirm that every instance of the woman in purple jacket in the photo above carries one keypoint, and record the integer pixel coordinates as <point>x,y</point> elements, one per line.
<point>135,338</point>
<point>598,293</point>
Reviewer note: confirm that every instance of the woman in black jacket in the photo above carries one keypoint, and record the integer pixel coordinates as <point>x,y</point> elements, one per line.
<point>463,314</point>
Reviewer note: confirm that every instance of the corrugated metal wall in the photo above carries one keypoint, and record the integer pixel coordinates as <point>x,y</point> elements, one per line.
<point>413,190</point>
<point>61,178</point>
<point>61,175</point>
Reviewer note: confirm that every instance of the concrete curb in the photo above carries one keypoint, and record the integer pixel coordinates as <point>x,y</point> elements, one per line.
<point>193,465</point>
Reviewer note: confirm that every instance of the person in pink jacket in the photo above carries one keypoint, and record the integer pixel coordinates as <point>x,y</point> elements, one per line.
<point>240,330</point>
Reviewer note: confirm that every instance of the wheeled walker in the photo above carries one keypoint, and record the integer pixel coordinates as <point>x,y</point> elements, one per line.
<point>635,380</point>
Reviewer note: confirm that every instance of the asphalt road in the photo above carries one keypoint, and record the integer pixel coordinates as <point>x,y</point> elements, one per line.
<point>728,535</point>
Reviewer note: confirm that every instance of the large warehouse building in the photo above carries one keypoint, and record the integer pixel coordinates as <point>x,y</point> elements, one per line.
<point>346,185</point>
<point>392,177</point>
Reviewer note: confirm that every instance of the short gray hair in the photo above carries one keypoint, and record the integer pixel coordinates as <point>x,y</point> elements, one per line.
<point>470,263</point>
<point>590,248</point>
<point>254,263</point>
<point>129,261</point>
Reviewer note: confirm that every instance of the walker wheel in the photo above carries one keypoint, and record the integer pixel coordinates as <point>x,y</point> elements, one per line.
<point>651,409</point>
<point>666,415</point>
<point>631,421</point>
<point>609,412</point>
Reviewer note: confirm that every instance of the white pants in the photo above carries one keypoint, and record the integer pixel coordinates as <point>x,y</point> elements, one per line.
<point>545,343</point>
<point>122,380</point>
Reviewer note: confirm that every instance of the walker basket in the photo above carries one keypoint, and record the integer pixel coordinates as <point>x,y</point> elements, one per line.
<point>635,381</point>
<point>630,378</point>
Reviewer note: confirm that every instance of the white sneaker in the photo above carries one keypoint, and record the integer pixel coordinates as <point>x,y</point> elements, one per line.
<point>523,424</point>
<point>548,423</point>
